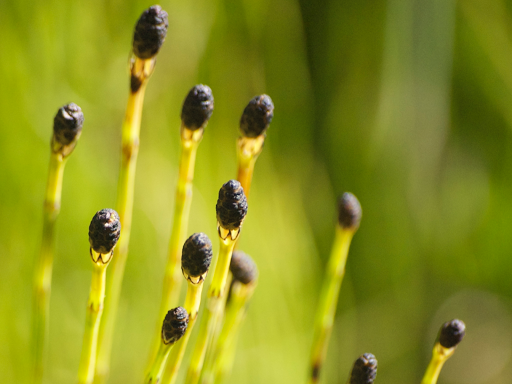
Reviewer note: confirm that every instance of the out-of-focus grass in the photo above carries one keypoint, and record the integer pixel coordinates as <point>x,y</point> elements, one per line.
<point>406,104</point>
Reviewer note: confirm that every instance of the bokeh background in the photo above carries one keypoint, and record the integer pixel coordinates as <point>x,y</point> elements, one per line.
<point>407,104</point>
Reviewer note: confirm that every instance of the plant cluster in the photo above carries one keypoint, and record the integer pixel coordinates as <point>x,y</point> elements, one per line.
<point>235,274</point>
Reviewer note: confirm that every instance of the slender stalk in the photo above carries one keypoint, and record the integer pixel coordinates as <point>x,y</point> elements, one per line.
<point>192,302</point>
<point>104,232</point>
<point>157,369</point>
<point>219,366</point>
<point>212,346</point>
<point>141,70</point>
<point>67,128</point>
<point>43,273</point>
<point>173,278</point>
<point>439,356</point>
<point>450,335</point>
<point>213,308</point>
<point>92,324</point>
<point>349,218</point>
<point>248,150</point>
<point>329,299</point>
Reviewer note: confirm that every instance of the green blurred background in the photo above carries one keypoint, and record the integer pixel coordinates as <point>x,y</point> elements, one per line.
<point>407,104</point>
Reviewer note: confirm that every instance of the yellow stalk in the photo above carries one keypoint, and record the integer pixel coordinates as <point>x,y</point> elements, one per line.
<point>155,373</point>
<point>248,150</point>
<point>86,369</point>
<point>219,365</point>
<point>140,72</point>
<point>43,274</point>
<point>439,357</point>
<point>329,299</point>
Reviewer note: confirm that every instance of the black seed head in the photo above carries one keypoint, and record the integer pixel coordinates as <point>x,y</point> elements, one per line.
<point>104,231</point>
<point>175,325</point>
<point>243,268</point>
<point>452,333</point>
<point>257,116</point>
<point>197,107</point>
<point>196,255</point>
<point>231,205</point>
<point>349,211</point>
<point>67,124</point>
<point>364,370</point>
<point>150,32</point>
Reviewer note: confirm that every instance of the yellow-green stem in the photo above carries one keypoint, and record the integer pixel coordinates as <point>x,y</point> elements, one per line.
<point>155,373</point>
<point>329,299</point>
<point>220,317</point>
<point>92,324</point>
<point>439,357</point>
<point>192,302</point>
<point>244,176</point>
<point>43,272</point>
<point>124,206</point>
<point>219,363</point>
<point>212,311</point>
<point>248,150</point>
<point>218,322</point>
<point>173,277</point>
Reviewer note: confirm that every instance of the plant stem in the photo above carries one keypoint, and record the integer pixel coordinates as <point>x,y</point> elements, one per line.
<point>173,277</point>
<point>192,302</point>
<point>92,324</point>
<point>213,309</point>
<point>43,273</point>
<point>248,150</point>
<point>140,70</point>
<point>155,373</point>
<point>212,346</point>
<point>219,365</point>
<point>329,299</point>
<point>439,357</point>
